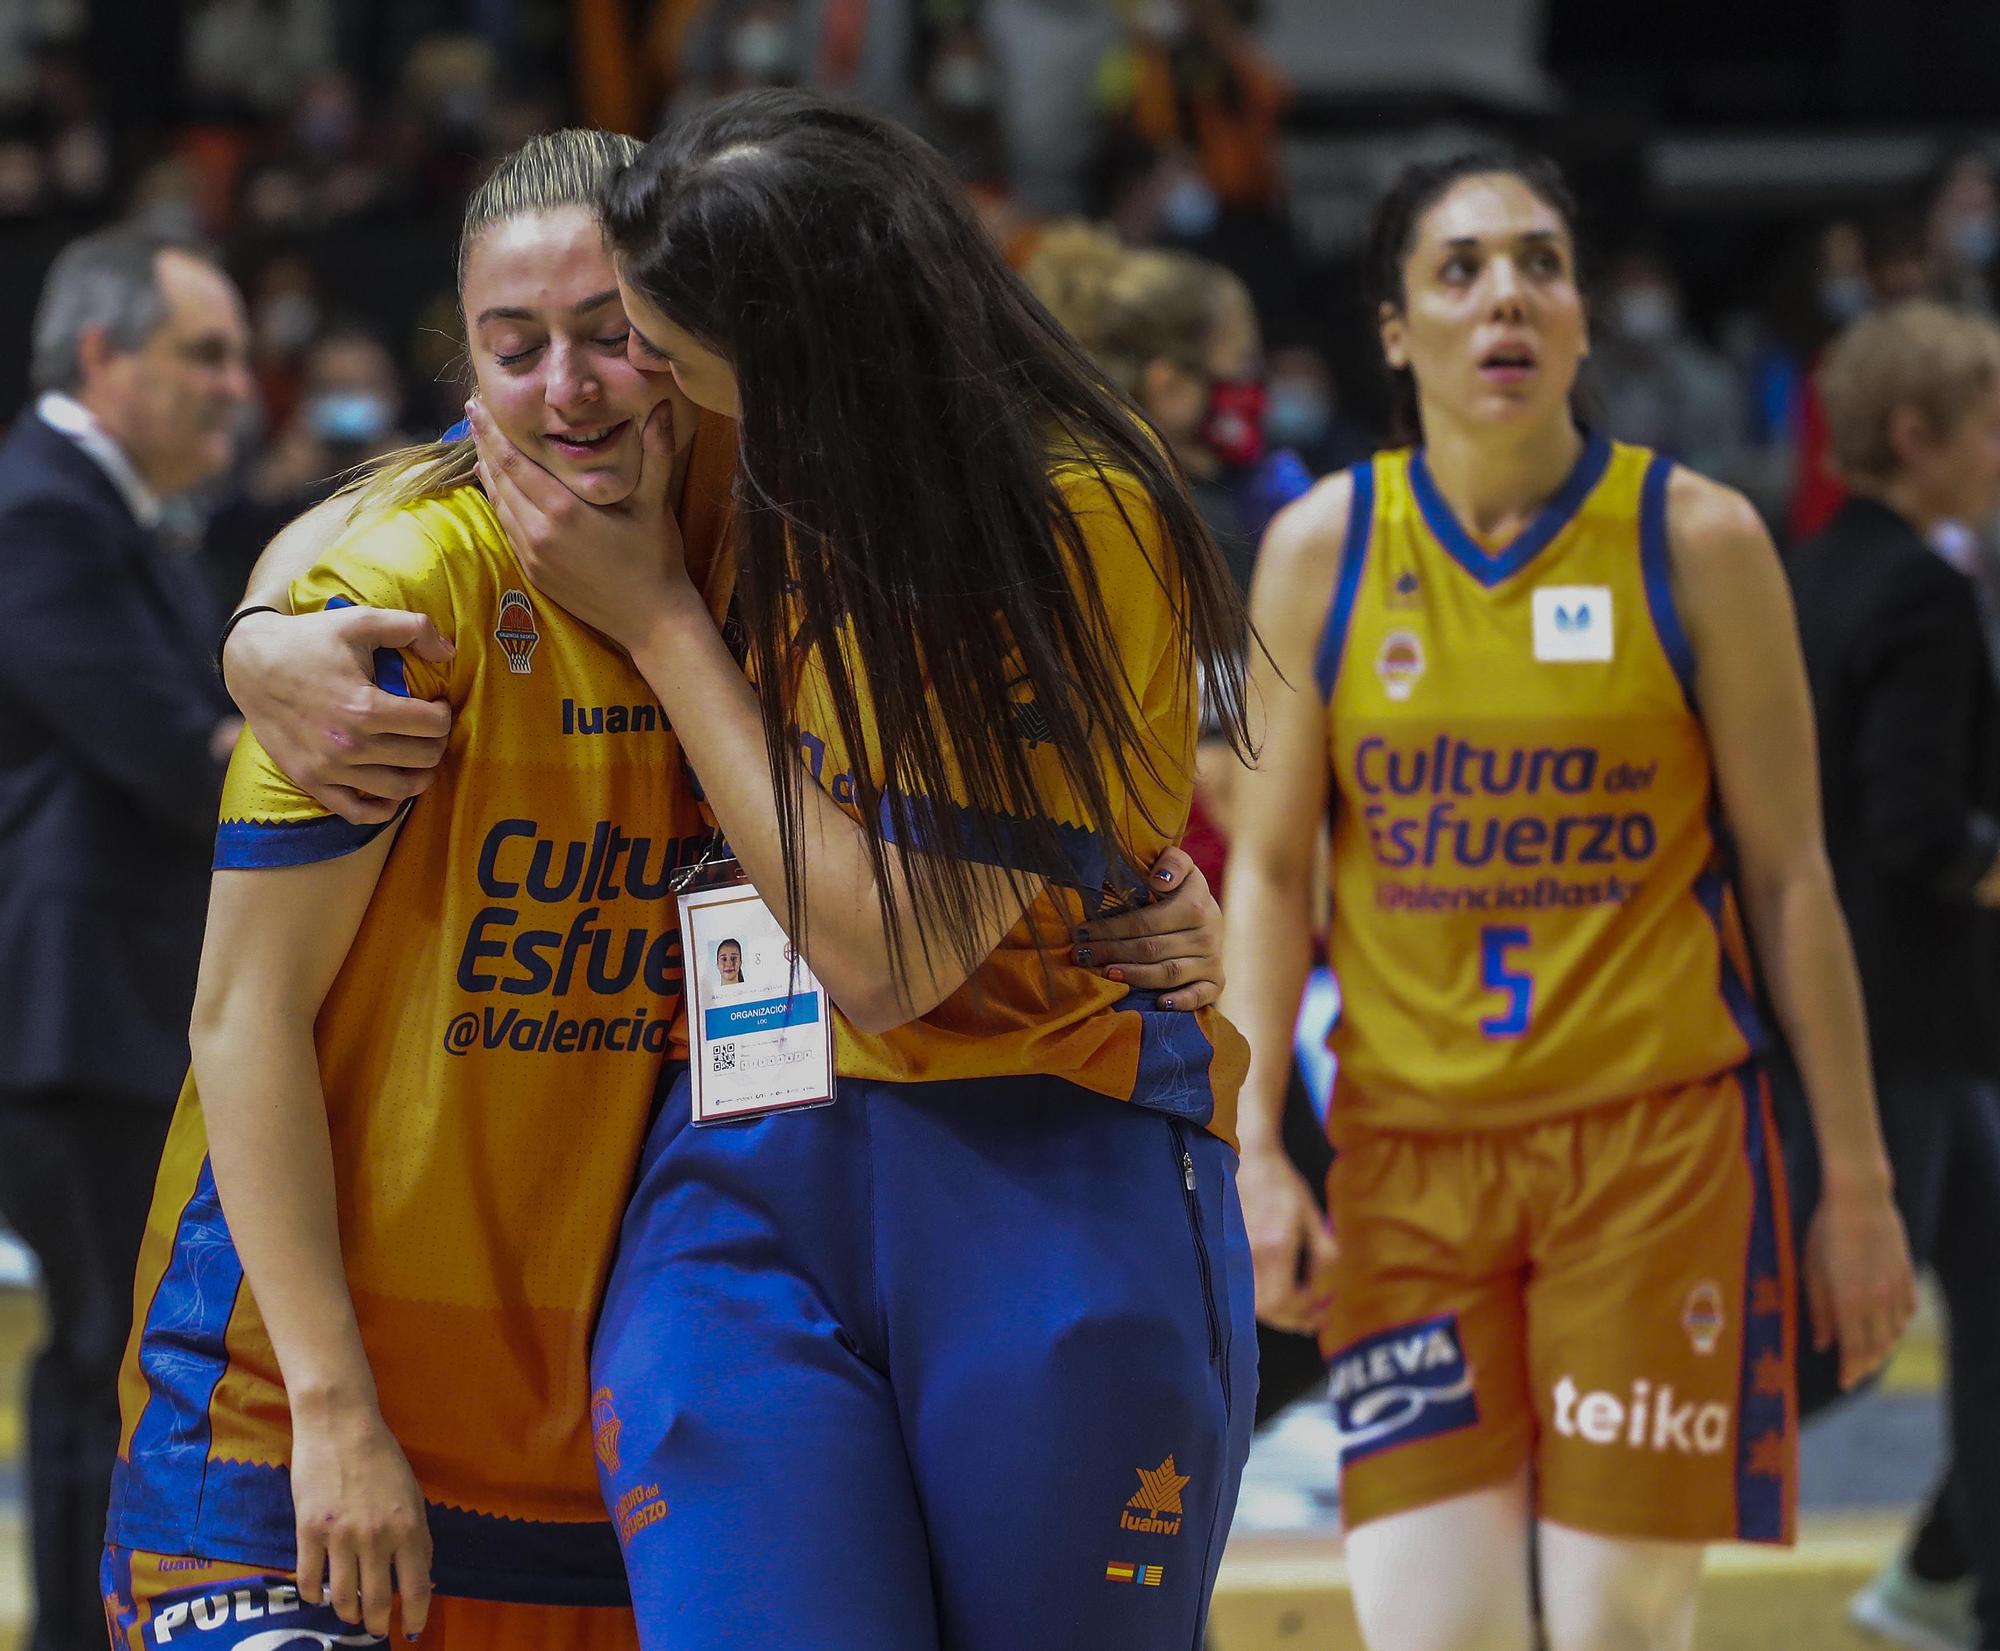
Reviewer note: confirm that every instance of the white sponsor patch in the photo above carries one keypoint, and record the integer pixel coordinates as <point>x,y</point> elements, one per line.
<point>1573,624</point>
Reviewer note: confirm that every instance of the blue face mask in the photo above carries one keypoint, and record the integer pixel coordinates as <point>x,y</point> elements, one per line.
<point>1190,208</point>
<point>1976,240</point>
<point>349,416</point>
<point>1297,415</point>
<point>1845,298</point>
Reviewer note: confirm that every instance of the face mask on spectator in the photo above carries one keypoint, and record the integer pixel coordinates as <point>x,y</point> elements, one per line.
<point>1976,240</point>
<point>1645,315</point>
<point>1190,207</point>
<point>286,322</point>
<point>1296,415</point>
<point>760,49</point>
<point>1165,21</point>
<point>463,109</point>
<point>1845,298</point>
<point>325,127</point>
<point>349,416</point>
<point>1232,428</point>
<point>962,83</point>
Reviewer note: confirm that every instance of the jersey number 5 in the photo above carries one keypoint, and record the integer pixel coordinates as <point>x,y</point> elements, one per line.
<point>1495,976</point>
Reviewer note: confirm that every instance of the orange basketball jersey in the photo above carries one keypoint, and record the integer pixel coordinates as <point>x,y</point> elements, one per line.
<point>1014,1017</point>
<point>1532,912</point>
<point>488,1053</point>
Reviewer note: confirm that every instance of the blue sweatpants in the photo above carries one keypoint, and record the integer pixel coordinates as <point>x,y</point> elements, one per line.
<point>941,1367</point>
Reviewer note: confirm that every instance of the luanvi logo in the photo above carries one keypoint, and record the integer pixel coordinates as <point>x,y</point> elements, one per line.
<point>1157,1501</point>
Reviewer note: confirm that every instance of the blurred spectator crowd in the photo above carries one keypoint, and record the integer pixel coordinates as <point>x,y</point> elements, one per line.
<point>327,145</point>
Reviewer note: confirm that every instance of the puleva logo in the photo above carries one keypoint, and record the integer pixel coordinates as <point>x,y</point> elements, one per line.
<point>604,1428</point>
<point>239,1618</point>
<point>1158,1500</point>
<point>517,633</point>
<point>1400,1385</point>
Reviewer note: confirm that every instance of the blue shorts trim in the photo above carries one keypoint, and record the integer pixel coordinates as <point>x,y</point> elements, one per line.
<point>1767,1428</point>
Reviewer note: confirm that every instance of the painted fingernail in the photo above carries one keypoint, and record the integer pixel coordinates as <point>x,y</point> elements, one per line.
<point>1164,875</point>
<point>1083,934</point>
<point>1083,954</point>
<point>1166,1003</point>
<point>1114,973</point>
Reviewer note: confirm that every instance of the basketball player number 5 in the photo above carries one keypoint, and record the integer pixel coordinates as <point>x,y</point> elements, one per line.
<point>1495,976</point>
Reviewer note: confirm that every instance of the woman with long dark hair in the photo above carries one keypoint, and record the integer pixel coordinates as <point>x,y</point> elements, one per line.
<point>964,1358</point>
<point>1549,686</point>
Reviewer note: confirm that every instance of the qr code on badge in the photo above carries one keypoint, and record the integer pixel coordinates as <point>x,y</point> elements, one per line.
<point>722,1058</point>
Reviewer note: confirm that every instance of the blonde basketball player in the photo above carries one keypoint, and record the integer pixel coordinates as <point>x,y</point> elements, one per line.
<point>424,1055</point>
<point>1548,686</point>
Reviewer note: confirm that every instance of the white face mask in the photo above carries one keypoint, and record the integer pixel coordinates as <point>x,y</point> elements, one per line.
<point>286,322</point>
<point>1844,298</point>
<point>1646,315</point>
<point>962,83</point>
<point>1190,207</point>
<point>350,417</point>
<point>760,49</point>
<point>1166,21</point>
<point>1976,240</point>
<point>1296,415</point>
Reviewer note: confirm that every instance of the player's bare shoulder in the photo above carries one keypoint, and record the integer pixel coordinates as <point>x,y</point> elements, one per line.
<point>1725,570</point>
<point>1299,560</point>
<point>1709,523</point>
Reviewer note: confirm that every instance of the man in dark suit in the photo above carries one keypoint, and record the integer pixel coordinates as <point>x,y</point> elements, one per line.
<point>114,733</point>
<point>1908,714</point>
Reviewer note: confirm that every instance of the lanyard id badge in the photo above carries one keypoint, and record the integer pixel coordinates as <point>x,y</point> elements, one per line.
<point>760,1026</point>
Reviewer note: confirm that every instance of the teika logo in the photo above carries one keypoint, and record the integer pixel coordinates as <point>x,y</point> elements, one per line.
<point>1648,1420</point>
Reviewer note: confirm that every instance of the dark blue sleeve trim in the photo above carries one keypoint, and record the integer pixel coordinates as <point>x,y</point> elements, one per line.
<point>1657,567</point>
<point>1005,840</point>
<point>1353,553</point>
<point>389,673</point>
<point>264,845</point>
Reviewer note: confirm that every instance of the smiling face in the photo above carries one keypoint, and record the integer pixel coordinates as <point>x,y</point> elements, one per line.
<point>1491,324</point>
<point>729,960</point>
<point>659,347</point>
<point>547,335</point>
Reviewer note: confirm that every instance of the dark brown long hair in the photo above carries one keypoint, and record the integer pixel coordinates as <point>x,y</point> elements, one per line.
<point>1418,188</point>
<point>905,401</point>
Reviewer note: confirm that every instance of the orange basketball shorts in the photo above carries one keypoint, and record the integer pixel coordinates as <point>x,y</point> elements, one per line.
<point>155,1602</point>
<point>1606,1298</point>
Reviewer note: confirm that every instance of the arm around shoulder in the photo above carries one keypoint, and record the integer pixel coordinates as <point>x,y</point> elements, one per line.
<point>307,684</point>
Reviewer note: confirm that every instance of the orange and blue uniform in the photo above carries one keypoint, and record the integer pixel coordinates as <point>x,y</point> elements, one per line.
<point>998,1291</point>
<point>1561,1230</point>
<point>489,1052</point>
